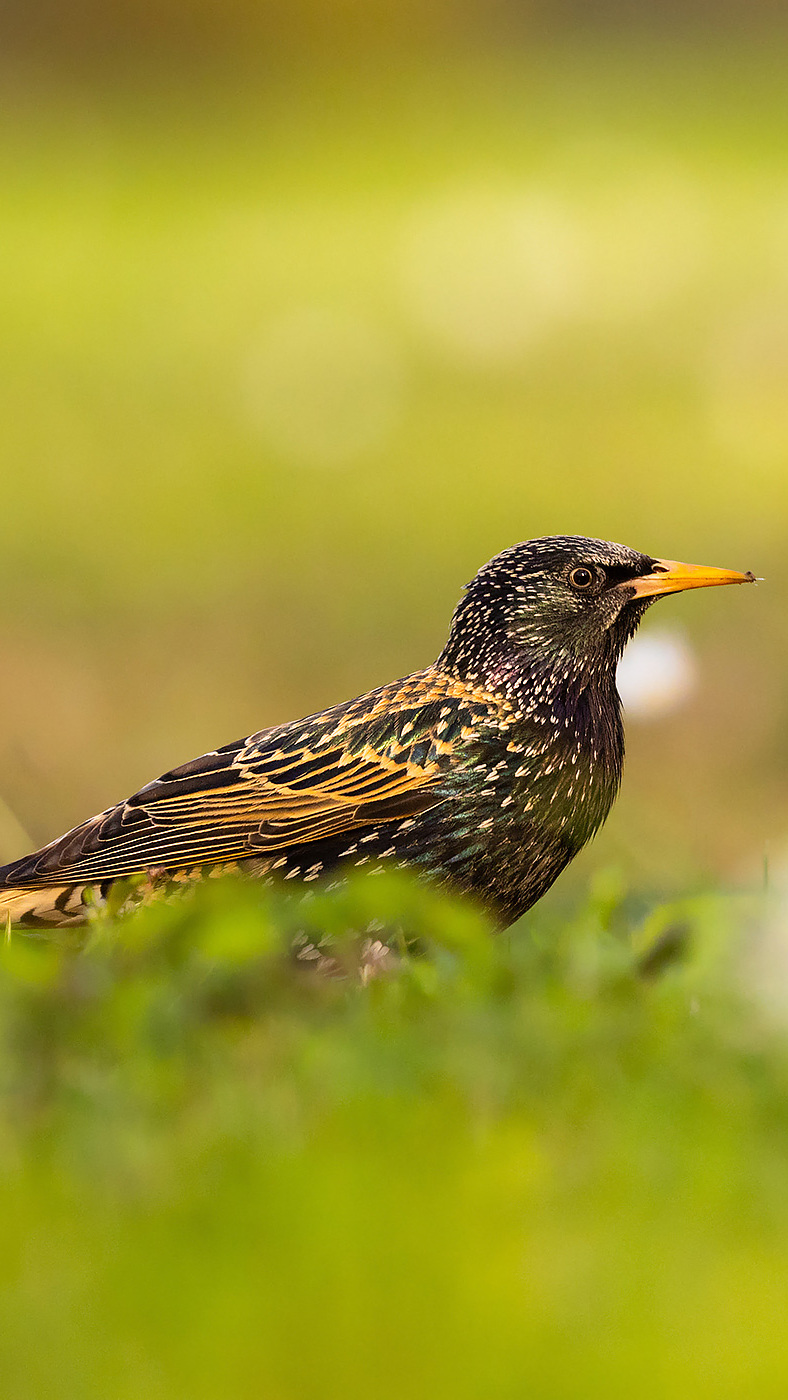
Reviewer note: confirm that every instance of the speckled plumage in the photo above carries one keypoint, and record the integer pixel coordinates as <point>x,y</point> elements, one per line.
<point>489,770</point>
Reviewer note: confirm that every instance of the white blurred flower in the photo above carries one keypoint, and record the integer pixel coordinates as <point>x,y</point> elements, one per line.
<point>656,674</point>
<point>323,386</point>
<point>485,271</point>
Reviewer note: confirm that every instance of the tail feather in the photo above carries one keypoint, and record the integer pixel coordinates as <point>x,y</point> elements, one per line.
<point>44,906</point>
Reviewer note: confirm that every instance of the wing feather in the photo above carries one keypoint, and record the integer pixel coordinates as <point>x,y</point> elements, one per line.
<point>377,759</point>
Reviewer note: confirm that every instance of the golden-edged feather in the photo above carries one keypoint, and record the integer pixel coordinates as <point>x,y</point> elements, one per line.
<point>376,760</point>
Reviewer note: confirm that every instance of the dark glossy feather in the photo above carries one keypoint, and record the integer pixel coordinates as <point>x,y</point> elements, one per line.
<point>356,766</point>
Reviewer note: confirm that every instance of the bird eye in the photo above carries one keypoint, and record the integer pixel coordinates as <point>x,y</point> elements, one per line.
<point>582,579</point>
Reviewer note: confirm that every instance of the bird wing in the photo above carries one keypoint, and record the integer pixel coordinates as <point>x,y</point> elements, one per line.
<point>378,759</point>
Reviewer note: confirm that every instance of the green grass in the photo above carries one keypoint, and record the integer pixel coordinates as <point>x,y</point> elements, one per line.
<point>546,1163</point>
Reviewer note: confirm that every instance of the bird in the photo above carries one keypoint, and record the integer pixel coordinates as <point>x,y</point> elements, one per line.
<point>486,772</point>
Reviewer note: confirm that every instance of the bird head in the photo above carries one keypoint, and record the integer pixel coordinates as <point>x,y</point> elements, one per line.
<point>570,602</point>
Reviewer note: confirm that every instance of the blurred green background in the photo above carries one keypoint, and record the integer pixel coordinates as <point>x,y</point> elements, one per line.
<point>306,309</point>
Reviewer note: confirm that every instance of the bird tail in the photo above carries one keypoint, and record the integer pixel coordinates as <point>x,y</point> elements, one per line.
<point>43,906</point>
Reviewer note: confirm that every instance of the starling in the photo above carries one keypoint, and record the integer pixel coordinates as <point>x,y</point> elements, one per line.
<point>486,772</point>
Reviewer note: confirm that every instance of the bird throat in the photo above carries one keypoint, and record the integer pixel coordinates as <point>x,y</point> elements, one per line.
<point>559,774</point>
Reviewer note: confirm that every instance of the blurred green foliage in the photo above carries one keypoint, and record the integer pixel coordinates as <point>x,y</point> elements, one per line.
<point>513,1165</point>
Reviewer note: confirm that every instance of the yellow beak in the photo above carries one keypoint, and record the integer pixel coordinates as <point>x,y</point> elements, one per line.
<point>669,576</point>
